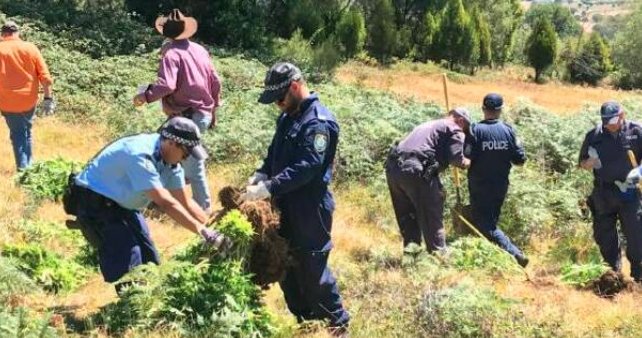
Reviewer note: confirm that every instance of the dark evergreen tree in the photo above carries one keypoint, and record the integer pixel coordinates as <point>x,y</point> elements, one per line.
<point>351,32</point>
<point>382,33</point>
<point>541,47</point>
<point>592,63</point>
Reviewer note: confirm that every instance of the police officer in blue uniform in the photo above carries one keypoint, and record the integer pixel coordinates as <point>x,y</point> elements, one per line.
<point>296,174</point>
<point>122,179</point>
<point>412,174</point>
<point>493,149</point>
<point>614,196</point>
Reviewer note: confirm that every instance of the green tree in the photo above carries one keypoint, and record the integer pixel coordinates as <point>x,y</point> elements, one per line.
<point>425,36</point>
<point>457,40</point>
<point>592,63</point>
<point>541,47</point>
<point>351,32</point>
<point>504,18</point>
<point>627,52</point>
<point>560,16</point>
<point>382,33</point>
<point>485,51</point>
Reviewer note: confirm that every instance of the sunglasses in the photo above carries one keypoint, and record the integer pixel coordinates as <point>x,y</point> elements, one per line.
<point>281,100</point>
<point>186,151</point>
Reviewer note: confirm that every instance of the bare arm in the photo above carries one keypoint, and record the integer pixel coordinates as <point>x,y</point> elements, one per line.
<point>171,206</point>
<point>194,209</point>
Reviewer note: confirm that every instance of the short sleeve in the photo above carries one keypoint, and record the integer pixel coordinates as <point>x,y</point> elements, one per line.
<point>143,174</point>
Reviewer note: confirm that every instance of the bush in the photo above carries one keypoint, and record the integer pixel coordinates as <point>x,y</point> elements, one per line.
<point>582,275</point>
<point>198,294</point>
<point>47,179</point>
<point>21,323</point>
<point>54,273</point>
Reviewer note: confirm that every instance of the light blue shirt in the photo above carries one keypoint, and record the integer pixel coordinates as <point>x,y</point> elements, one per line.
<point>129,167</point>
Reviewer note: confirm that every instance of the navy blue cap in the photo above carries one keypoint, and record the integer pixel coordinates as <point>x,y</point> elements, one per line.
<point>277,81</point>
<point>493,101</point>
<point>610,109</point>
<point>185,132</point>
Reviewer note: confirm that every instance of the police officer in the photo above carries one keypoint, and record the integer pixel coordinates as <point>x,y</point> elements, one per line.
<point>493,148</point>
<point>296,173</point>
<point>604,151</point>
<point>412,172</point>
<point>122,179</point>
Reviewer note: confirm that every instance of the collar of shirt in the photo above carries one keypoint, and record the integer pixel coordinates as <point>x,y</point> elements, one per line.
<point>489,121</point>
<point>10,38</point>
<point>305,106</point>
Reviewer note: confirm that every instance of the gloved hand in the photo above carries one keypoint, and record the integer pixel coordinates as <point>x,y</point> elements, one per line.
<point>48,106</point>
<point>216,239</point>
<point>256,178</point>
<point>632,180</point>
<point>255,192</point>
<point>594,158</point>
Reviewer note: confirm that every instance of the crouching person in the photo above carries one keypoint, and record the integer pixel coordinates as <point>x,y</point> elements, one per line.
<point>412,172</point>
<point>122,179</point>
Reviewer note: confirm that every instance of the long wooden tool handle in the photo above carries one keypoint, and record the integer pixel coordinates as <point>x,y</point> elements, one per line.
<point>634,163</point>
<point>445,80</point>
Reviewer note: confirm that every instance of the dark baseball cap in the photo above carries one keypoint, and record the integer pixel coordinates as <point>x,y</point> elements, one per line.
<point>185,132</point>
<point>277,81</point>
<point>493,101</point>
<point>9,27</point>
<point>609,110</point>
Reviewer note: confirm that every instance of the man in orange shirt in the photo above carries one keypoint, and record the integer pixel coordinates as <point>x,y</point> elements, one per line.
<point>22,71</point>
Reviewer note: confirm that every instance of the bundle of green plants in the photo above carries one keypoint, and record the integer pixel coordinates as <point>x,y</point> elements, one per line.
<point>20,322</point>
<point>474,253</point>
<point>50,270</point>
<point>47,179</point>
<point>582,275</point>
<point>199,293</point>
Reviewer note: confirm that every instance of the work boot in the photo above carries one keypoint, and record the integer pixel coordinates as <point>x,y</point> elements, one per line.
<point>339,331</point>
<point>522,260</point>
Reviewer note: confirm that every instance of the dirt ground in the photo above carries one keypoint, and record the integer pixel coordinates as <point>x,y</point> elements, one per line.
<point>467,91</point>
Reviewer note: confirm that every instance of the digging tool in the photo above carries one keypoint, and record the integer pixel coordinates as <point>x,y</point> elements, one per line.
<point>634,164</point>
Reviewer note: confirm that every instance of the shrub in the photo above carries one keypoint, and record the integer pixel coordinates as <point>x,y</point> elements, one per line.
<point>47,179</point>
<point>21,322</point>
<point>474,253</point>
<point>51,271</point>
<point>582,275</point>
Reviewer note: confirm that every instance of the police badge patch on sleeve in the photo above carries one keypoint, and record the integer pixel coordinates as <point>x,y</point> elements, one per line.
<point>320,142</point>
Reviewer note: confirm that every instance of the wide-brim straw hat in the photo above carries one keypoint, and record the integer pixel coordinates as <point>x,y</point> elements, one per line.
<point>176,26</point>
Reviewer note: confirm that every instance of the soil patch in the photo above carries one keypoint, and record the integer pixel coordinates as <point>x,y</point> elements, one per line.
<point>270,257</point>
<point>610,284</point>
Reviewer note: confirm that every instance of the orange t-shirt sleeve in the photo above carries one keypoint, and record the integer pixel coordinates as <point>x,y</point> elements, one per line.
<point>41,67</point>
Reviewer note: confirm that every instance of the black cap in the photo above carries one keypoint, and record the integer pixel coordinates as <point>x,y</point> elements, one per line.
<point>493,101</point>
<point>185,132</point>
<point>9,27</point>
<point>610,109</point>
<point>277,81</point>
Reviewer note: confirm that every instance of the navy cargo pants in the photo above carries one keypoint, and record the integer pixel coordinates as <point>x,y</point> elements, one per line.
<point>418,203</point>
<point>309,287</point>
<point>120,235</point>
<point>486,200</point>
<point>607,207</point>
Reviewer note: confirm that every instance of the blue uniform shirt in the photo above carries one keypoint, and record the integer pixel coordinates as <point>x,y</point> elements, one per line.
<point>127,168</point>
<point>612,150</point>
<point>302,150</point>
<point>493,148</point>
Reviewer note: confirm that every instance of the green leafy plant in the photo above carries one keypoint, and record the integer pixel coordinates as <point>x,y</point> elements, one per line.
<point>47,179</point>
<point>20,322</point>
<point>581,275</point>
<point>51,271</point>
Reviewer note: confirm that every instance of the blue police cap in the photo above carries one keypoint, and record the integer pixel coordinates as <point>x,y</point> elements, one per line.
<point>277,81</point>
<point>610,109</point>
<point>493,101</point>
<point>185,132</point>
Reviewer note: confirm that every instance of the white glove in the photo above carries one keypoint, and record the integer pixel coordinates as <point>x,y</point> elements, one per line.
<point>255,192</point>
<point>256,178</point>
<point>632,180</point>
<point>48,106</point>
<point>592,153</point>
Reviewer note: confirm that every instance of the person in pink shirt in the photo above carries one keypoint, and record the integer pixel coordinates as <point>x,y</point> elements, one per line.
<point>187,85</point>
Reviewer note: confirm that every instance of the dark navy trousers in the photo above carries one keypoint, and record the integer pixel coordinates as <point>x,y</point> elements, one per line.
<point>418,205</point>
<point>309,287</point>
<point>486,200</point>
<point>607,208</point>
<point>122,235</point>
